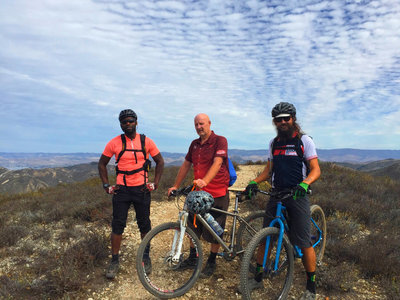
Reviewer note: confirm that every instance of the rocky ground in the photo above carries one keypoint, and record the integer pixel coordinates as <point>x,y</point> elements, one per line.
<point>222,285</point>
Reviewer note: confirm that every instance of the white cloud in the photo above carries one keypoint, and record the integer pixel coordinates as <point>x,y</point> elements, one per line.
<point>169,60</point>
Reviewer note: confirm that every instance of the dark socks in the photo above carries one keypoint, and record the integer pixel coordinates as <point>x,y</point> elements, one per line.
<point>311,286</point>
<point>259,273</point>
<point>115,258</point>
<point>193,253</point>
<point>211,258</point>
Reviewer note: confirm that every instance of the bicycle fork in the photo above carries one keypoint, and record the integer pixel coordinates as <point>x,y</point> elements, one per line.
<point>267,251</point>
<point>176,247</point>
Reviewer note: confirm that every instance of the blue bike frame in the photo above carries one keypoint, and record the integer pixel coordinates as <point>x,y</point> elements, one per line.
<point>281,224</point>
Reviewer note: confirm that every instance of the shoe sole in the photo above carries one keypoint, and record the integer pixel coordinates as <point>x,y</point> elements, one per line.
<point>148,272</point>
<point>111,275</point>
<point>206,275</point>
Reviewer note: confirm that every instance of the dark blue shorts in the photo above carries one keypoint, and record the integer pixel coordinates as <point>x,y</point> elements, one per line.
<point>299,219</point>
<point>125,196</point>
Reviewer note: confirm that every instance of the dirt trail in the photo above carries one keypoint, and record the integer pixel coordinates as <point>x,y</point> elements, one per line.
<point>127,285</point>
<point>222,285</point>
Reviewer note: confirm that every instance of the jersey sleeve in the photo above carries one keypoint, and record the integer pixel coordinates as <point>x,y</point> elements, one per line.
<point>310,151</point>
<point>188,156</point>
<point>109,150</point>
<point>151,147</point>
<point>221,147</point>
<point>270,156</point>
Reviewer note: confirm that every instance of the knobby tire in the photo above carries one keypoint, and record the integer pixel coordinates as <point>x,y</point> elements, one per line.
<point>276,285</point>
<point>165,280</point>
<point>245,234</point>
<point>317,214</point>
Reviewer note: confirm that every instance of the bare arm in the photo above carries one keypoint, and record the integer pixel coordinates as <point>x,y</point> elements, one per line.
<point>159,168</point>
<point>315,171</point>
<point>265,174</point>
<point>184,169</point>
<point>102,166</point>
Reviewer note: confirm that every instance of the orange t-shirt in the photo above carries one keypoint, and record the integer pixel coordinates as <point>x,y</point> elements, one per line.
<point>128,161</point>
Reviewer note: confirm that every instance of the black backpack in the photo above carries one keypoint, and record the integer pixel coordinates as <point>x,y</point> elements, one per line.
<point>146,165</point>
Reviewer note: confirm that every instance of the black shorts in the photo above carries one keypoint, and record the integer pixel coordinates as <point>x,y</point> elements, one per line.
<point>139,196</point>
<point>221,203</point>
<point>299,219</point>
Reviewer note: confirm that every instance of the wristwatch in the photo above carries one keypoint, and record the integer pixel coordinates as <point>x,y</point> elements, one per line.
<point>106,186</point>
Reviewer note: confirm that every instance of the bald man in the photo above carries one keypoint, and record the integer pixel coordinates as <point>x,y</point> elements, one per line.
<point>208,155</point>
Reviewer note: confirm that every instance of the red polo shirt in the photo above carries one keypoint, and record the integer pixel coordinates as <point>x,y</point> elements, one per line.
<point>202,157</point>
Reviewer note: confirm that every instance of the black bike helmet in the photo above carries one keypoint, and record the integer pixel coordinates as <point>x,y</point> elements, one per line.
<point>283,109</point>
<point>127,113</point>
<point>199,202</point>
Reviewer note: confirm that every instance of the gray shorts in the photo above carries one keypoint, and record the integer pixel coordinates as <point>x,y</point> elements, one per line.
<point>220,203</point>
<point>298,212</point>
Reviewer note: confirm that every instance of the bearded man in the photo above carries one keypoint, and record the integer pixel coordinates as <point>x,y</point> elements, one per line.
<point>292,165</point>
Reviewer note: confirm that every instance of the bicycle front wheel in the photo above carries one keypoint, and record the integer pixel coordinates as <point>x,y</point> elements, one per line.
<point>168,278</point>
<point>245,233</point>
<point>318,231</point>
<point>276,280</point>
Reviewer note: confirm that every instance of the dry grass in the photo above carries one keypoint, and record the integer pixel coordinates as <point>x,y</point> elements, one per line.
<point>363,216</point>
<point>49,242</point>
<point>52,243</point>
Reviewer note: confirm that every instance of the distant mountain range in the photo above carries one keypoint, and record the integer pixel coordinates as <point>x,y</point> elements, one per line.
<point>50,160</point>
<point>387,167</point>
<point>25,179</point>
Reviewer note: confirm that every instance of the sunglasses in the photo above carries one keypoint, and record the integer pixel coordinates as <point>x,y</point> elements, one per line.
<point>279,120</point>
<point>124,122</point>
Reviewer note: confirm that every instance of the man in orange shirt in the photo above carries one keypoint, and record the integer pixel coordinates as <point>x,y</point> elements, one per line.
<point>208,155</point>
<point>131,151</point>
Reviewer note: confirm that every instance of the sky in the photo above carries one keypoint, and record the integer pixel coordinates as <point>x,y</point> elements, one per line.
<point>68,67</point>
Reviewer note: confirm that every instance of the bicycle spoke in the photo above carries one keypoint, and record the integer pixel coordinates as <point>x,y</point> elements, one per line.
<point>245,233</point>
<point>166,278</point>
<point>275,283</point>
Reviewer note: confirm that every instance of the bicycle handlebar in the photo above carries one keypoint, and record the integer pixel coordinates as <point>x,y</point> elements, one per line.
<point>286,193</point>
<point>282,194</point>
<point>182,191</point>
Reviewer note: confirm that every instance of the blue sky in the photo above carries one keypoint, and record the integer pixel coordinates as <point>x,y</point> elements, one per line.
<point>68,67</point>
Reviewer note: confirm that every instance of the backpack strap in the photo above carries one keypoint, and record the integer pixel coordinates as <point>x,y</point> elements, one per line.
<point>143,143</point>
<point>147,163</point>
<point>300,153</point>
<point>123,139</point>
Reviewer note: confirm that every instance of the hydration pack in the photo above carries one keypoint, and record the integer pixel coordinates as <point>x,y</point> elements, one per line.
<point>146,165</point>
<point>232,172</point>
<point>298,147</point>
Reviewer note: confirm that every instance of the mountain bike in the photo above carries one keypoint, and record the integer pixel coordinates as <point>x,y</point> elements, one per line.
<point>170,246</point>
<point>278,253</point>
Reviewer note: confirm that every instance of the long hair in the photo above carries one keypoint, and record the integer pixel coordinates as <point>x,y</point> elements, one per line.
<point>297,127</point>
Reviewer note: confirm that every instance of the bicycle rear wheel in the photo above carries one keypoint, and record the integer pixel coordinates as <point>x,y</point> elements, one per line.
<point>167,280</point>
<point>318,231</point>
<point>275,283</point>
<point>245,234</point>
